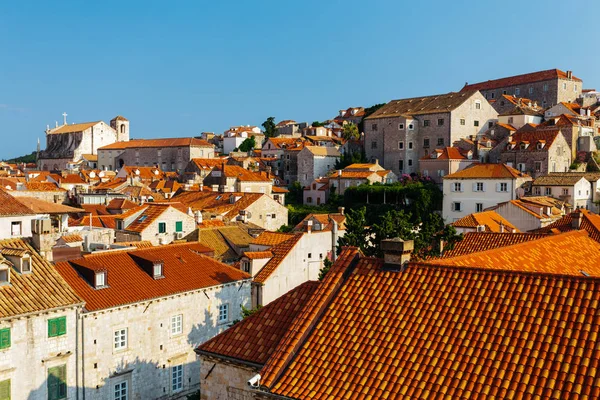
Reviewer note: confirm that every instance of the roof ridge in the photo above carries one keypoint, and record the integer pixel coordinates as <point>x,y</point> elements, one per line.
<point>309,316</point>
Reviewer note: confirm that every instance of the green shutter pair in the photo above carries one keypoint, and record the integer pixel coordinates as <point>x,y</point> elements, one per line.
<point>179,226</point>
<point>57,382</point>
<point>5,389</point>
<point>4,339</point>
<point>57,326</point>
<point>162,227</point>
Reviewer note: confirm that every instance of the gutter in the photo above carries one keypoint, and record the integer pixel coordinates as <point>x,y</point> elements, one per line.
<point>230,359</point>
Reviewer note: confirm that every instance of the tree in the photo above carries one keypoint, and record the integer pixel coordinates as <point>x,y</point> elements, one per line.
<point>350,132</point>
<point>248,144</point>
<point>269,126</point>
<point>296,194</point>
<point>317,124</point>
<point>327,263</point>
<point>354,157</point>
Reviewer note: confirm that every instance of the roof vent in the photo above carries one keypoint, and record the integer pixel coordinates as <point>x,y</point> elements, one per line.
<point>396,253</point>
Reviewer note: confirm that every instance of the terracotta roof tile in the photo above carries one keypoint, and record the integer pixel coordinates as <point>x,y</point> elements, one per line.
<point>184,269</point>
<point>421,105</point>
<point>42,187</point>
<point>9,206</point>
<point>72,238</point>
<point>519,80</point>
<point>272,322</point>
<point>146,214</point>
<point>271,238</point>
<point>45,207</point>
<point>590,222</point>
<point>474,242</point>
<point>492,221</point>
<point>487,171</point>
<point>241,174</point>
<point>73,128</point>
<point>161,143</point>
<point>257,255</point>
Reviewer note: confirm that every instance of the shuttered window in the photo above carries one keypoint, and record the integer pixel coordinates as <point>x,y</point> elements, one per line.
<point>4,338</point>
<point>57,326</point>
<point>179,226</point>
<point>57,382</point>
<point>5,389</point>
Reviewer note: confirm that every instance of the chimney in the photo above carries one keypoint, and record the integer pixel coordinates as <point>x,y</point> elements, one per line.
<point>334,238</point>
<point>396,252</point>
<point>309,224</point>
<point>569,74</point>
<point>341,210</point>
<point>576,219</point>
<point>198,217</point>
<point>339,172</point>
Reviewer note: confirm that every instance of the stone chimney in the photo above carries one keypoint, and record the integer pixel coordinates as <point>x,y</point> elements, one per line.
<point>576,218</point>
<point>569,74</point>
<point>341,210</point>
<point>309,224</point>
<point>396,252</point>
<point>198,215</point>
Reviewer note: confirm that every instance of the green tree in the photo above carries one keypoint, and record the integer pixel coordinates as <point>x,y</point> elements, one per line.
<point>357,232</point>
<point>296,194</point>
<point>327,263</point>
<point>248,144</point>
<point>350,132</point>
<point>269,126</point>
<point>354,157</point>
<point>317,124</point>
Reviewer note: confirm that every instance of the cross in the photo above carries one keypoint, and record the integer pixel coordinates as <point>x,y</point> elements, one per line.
<point>64,118</point>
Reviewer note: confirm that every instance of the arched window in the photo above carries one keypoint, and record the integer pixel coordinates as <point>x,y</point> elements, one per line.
<point>122,128</point>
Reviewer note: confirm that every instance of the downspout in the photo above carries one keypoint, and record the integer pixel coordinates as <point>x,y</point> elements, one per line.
<point>82,358</point>
<point>77,353</point>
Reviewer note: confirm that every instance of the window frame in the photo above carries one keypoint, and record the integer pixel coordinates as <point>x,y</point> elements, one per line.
<point>57,326</point>
<point>176,378</point>
<point>223,316</point>
<point>118,395</point>
<point>5,389</point>
<point>121,339</point>
<point>176,324</point>
<point>162,225</point>
<point>178,226</point>
<point>5,338</point>
<point>57,382</point>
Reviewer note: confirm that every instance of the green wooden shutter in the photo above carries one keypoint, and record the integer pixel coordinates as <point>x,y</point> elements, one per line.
<point>5,389</point>
<point>179,226</point>
<point>57,382</point>
<point>4,339</point>
<point>62,326</point>
<point>52,328</point>
<point>57,326</point>
<point>162,227</point>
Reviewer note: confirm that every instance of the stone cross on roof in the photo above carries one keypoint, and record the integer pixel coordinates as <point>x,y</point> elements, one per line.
<point>64,118</point>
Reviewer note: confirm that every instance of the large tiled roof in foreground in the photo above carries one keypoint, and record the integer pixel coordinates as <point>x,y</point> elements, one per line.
<point>437,331</point>
<point>255,338</point>
<point>185,268</point>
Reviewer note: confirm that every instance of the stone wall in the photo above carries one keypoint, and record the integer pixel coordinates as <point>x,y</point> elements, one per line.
<point>167,158</point>
<point>224,380</point>
<point>170,216</point>
<point>545,93</point>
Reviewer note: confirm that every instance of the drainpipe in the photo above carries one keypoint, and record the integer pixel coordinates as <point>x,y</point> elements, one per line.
<point>82,358</point>
<point>77,353</point>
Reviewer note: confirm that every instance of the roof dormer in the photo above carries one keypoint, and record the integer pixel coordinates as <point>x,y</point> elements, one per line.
<point>100,280</point>
<point>20,258</point>
<point>541,144</point>
<point>158,269</point>
<point>524,145</point>
<point>4,273</point>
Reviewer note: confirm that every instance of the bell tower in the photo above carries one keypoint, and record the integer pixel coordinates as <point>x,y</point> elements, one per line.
<point>121,125</point>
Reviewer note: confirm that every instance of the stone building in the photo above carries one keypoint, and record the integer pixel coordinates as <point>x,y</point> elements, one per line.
<point>67,144</point>
<point>38,335</point>
<point>159,223</point>
<point>547,88</point>
<point>442,162</point>
<point>290,128</point>
<point>315,162</point>
<point>286,151</point>
<point>172,154</point>
<point>235,136</point>
<point>403,131</point>
<point>146,310</point>
<point>536,152</point>
<point>233,178</point>
<point>199,168</point>
<point>359,174</point>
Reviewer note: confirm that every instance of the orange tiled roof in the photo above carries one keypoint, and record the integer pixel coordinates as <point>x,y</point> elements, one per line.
<point>142,244</point>
<point>280,251</point>
<point>72,238</point>
<point>533,137</point>
<point>441,103</point>
<point>241,341</point>
<point>146,214</point>
<point>45,207</point>
<point>98,221</point>
<point>42,187</point>
<point>271,238</point>
<point>323,220</point>
<point>72,179</point>
<point>185,268</point>
<point>145,172</point>
<point>242,174</point>
<point>167,142</point>
<point>43,289</point>
<point>95,209</point>
<point>487,171</point>
<point>438,332</point>
<point>120,204</point>
<point>519,80</point>
<point>257,255</point>
<point>73,128</point>
<point>9,206</point>
<point>474,242</point>
<point>490,219</point>
<point>208,163</point>
<point>590,222</point>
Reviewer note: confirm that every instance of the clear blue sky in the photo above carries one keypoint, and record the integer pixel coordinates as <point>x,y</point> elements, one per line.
<point>178,68</point>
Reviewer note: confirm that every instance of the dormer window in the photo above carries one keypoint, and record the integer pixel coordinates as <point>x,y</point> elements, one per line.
<point>26,265</point>
<point>524,146</point>
<point>157,270</point>
<point>540,145</point>
<point>4,274</point>
<point>100,279</point>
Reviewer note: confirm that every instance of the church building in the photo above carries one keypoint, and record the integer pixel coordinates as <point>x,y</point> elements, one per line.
<point>70,143</point>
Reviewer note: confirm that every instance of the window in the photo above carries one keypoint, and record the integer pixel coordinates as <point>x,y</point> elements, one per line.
<point>246,266</point>
<point>400,127</point>
<point>120,337</point>
<point>157,269</point>
<point>456,206</point>
<point>478,105</point>
<point>57,326</point>
<point>410,163</point>
<point>475,123</point>
<point>309,255</point>
<point>224,313</point>
<point>26,265</point>
<point>5,389</point>
<point>426,142</point>
<point>401,145</point>
<point>373,127</point>
<point>374,144</point>
<point>57,382</point>
<point>177,324</point>
<point>15,228</point>
<point>309,200</point>
<point>440,141</point>
<point>493,94</point>
<point>401,165</point>
<point>100,279</point>
<point>574,88</point>
<point>517,91</point>
<point>411,127</point>
<point>479,187</point>
<point>565,192</point>
<point>4,339</point>
<point>478,207</point>
<point>537,191</point>
<point>425,122</point>
<point>565,86</point>
<point>425,172</point>
<point>545,87</point>
<point>462,121</point>
<point>179,226</point>
<point>510,120</point>
<point>120,391</point>
<point>457,187</point>
<point>548,191</point>
<point>162,227</point>
<point>177,378</point>
<point>440,121</point>
<point>538,166</point>
<point>503,187</point>
<point>410,145</point>
<point>441,172</point>
<point>490,124</point>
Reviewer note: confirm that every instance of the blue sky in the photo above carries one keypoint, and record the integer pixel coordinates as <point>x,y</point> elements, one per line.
<point>183,67</point>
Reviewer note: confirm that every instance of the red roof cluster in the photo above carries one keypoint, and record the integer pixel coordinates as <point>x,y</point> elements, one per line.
<point>519,80</point>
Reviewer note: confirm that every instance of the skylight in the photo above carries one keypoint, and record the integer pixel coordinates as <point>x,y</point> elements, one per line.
<point>142,218</point>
